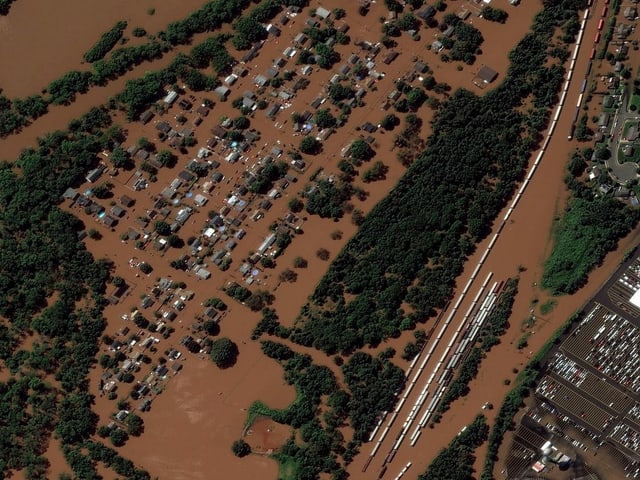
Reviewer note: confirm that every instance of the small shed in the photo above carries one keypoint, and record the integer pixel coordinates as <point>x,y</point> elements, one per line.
<point>300,38</point>
<point>273,30</point>
<point>420,67</point>
<point>171,97</point>
<point>607,102</point>
<point>200,200</point>
<point>630,13</point>
<point>323,13</point>
<point>70,194</point>
<point>222,92</point>
<point>273,111</point>
<point>487,74</point>
<point>230,80</point>
<point>427,13</point>
<point>118,211</point>
<point>627,150</point>
<point>603,120</point>
<point>219,132</point>
<point>94,174</point>
<point>390,57</point>
<point>146,116</point>
<point>260,80</point>
<point>109,221</point>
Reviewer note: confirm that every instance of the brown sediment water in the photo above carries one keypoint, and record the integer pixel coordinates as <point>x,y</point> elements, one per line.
<point>39,43</point>
<point>202,410</point>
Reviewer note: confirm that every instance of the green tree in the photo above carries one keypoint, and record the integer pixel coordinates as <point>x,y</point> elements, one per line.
<point>162,228</point>
<point>166,158</point>
<point>241,123</point>
<point>288,275</point>
<point>324,119</point>
<point>224,352</point>
<point>360,150</point>
<point>138,32</point>
<point>144,143</point>
<point>494,14</point>
<point>119,157</point>
<point>323,254</point>
<point>240,448</point>
<point>389,122</point>
<point>295,205</point>
<point>145,268</point>
<point>118,437</point>
<point>338,13</point>
<point>135,425</point>
<point>310,145</point>
<point>300,262</point>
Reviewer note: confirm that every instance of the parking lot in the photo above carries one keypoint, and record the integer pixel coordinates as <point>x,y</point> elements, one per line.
<point>595,387</point>
<point>575,403</point>
<point>626,285</point>
<point>608,343</point>
<point>593,378</point>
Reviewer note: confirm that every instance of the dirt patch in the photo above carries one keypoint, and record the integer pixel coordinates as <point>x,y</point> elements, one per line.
<point>267,436</point>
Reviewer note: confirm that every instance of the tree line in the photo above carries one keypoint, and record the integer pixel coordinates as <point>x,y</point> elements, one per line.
<point>455,461</point>
<point>106,42</point>
<point>371,385</point>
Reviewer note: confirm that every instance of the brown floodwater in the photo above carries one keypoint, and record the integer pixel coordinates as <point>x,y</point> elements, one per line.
<point>39,43</point>
<point>202,410</point>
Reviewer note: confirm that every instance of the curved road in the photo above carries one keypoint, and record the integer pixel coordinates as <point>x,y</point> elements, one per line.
<point>625,171</point>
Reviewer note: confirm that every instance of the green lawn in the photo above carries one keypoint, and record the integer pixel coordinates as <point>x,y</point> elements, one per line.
<point>634,100</point>
<point>627,127</point>
<point>633,158</point>
<point>287,469</point>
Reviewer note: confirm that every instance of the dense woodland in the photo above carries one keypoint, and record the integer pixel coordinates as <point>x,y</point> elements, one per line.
<point>476,154</point>
<point>372,383</point>
<point>455,461</point>
<point>41,254</point>
<point>589,229</point>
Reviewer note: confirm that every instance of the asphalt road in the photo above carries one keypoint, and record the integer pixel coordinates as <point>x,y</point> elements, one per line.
<point>625,171</point>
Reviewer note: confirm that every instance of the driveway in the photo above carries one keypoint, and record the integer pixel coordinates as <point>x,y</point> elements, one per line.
<point>621,172</point>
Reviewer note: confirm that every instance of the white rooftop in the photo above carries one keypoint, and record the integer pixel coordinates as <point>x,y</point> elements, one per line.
<point>635,299</point>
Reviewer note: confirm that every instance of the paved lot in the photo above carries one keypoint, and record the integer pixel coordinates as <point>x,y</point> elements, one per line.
<point>593,378</point>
